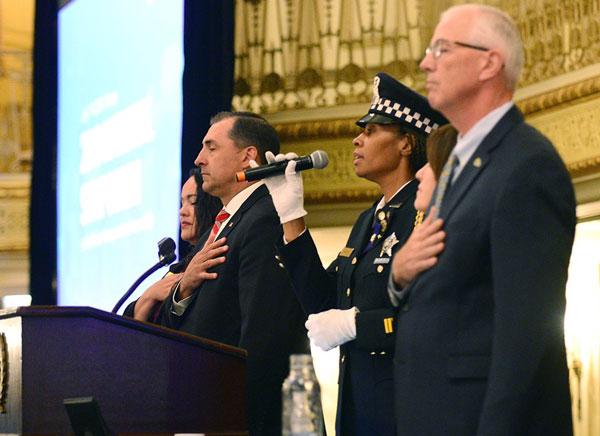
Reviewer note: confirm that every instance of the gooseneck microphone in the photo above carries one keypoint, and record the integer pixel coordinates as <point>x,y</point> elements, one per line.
<point>317,159</point>
<point>166,255</point>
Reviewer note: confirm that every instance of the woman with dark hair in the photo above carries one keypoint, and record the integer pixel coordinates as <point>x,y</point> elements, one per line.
<point>196,216</point>
<point>440,144</point>
<point>427,240</point>
<point>206,207</point>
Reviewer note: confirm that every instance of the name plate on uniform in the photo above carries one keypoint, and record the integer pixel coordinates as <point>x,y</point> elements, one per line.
<point>381,260</point>
<point>346,251</point>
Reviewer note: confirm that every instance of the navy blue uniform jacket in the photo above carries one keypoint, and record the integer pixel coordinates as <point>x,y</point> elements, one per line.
<point>365,402</point>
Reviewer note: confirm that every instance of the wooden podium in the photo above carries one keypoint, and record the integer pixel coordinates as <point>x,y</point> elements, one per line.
<point>146,379</point>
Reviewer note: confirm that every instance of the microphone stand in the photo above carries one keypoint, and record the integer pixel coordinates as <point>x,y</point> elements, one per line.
<point>166,255</point>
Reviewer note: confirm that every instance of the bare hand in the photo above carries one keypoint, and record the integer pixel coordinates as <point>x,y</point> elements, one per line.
<point>153,295</point>
<point>420,252</point>
<point>196,272</point>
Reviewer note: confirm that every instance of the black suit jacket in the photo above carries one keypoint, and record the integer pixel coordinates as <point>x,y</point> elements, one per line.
<point>480,349</point>
<point>250,305</point>
<point>365,401</point>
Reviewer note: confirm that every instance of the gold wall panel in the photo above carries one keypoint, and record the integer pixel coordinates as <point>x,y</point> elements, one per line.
<point>16,41</point>
<point>14,212</point>
<point>575,131</point>
<point>294,54</point>
<point>296,60</point>
<point>559,36</point>
<point>337,182</point>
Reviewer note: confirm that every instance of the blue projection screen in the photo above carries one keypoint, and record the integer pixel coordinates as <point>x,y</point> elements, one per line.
<point>119,134</point>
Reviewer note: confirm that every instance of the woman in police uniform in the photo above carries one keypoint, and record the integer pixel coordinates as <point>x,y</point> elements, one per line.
<point>348,303</point>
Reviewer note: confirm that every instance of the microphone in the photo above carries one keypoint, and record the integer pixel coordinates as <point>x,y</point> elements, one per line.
<point>317,159</point>
<point>166,255</point>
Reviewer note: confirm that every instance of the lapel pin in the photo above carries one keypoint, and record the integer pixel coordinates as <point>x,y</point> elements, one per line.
<point>477,162</point>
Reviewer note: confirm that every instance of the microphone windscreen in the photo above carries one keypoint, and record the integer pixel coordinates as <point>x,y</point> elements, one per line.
<point>166,246</point>
<point>320,159</point>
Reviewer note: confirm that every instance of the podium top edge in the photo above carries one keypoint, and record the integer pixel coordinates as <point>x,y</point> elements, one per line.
<point>90,312</point>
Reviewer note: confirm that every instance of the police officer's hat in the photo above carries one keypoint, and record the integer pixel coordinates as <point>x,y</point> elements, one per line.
<point>394,103</point>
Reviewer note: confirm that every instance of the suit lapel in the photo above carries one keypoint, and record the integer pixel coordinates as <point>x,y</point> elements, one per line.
<point>463,182</point>
<point>478,161</point>
<point>238,215</point>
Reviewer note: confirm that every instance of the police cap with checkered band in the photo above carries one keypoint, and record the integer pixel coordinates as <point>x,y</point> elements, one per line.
<point>394,103</point>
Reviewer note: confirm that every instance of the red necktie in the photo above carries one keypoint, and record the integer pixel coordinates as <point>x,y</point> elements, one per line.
<point>220,218</point>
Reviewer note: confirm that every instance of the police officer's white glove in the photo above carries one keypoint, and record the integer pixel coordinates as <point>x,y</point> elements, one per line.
<point>286,190</point>
<point>331,328</point>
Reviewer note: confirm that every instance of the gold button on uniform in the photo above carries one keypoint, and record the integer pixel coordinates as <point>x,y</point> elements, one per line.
<point>348,292</point>
<point>281,265</point>
<point>337,268</point>
<point>380,268</point>
<point>354,261</point>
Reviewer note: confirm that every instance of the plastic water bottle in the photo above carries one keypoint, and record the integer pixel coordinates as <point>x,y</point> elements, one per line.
<point>302,413</point>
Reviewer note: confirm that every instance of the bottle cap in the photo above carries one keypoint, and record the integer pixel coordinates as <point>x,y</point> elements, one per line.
<point>299,360</point>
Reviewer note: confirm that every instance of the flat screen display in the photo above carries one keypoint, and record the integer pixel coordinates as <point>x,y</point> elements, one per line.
<point>119,139</point>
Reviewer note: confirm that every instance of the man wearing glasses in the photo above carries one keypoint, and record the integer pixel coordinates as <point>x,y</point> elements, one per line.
<point>480,347</point>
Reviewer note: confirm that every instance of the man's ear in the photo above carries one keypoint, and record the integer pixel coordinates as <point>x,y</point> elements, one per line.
<point>251,153</point>
<point>492,67</point>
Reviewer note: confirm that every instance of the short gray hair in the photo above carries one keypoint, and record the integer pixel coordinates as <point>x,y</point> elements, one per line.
<point>497,28</point>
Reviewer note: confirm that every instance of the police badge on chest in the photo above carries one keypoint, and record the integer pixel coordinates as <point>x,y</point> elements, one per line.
<point>386,250</point>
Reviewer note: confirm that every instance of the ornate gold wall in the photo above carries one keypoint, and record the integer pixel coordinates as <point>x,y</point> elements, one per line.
<point>16,38</point>
<point>308,66</point>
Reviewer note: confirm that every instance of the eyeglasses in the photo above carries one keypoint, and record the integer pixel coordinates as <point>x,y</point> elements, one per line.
<point>440,46</point>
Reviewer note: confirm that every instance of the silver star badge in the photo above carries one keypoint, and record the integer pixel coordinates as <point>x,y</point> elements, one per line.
<point>388,244</point>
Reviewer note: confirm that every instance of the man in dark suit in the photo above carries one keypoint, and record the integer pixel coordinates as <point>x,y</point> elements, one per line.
<point>480,347</point>
<point>348,302</point>
<point>238,293</point>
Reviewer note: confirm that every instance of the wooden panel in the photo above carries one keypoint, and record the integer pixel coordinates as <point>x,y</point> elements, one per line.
<point>146,379</point>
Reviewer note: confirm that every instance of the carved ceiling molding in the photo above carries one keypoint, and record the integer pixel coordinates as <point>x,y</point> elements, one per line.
<point>584,167</point>
<point>563,95</point>
<point>323,129</point>
<point>346,127</point>
<point>344,196</point>
<point>568,116</point>
<point>308,54</point>
<point>574,130</point>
